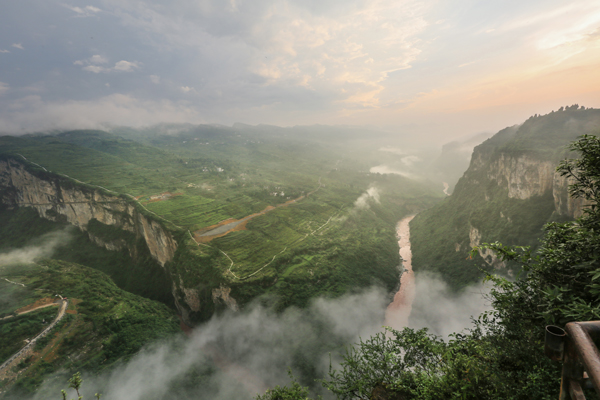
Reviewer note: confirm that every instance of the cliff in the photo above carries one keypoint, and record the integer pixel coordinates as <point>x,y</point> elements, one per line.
<point>115,223</point>
<point>58,199</point>
<point>510,190</point>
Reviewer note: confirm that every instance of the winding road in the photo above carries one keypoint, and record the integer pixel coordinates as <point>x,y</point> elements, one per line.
<point>15,357</point>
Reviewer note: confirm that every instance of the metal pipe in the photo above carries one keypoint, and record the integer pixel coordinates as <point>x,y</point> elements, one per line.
<point>554,343</point>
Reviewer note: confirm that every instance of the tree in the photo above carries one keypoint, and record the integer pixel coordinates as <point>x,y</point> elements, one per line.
<point>502,357</point>
<point>75,383</point>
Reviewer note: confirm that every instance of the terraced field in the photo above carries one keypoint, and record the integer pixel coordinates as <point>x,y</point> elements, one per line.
<point>263,212</point>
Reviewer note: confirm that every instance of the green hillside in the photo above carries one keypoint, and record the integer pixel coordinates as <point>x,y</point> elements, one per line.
<point>308,239</point>
<point>104,324</point>
<point>440,236</point>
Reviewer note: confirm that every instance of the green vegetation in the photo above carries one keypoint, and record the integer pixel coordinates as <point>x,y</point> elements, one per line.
<point>106,324</point>
<point>17,329</point>
<point>141,275</point>
<point>503,356</point>
<point>315,241</point>
<point>480,207</point>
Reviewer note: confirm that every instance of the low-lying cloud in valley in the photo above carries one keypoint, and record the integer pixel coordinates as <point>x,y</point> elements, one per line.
<point>44,247</point>
<point>365,200</point>
<point>238,355</point>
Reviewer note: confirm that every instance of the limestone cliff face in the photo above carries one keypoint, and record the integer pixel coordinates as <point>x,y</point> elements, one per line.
<point>507,195</point>
<point>525,176</point>
<point>58,199</point>
<point>563,203</point>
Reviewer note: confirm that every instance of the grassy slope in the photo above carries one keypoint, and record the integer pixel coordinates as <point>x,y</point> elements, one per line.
<point>435,233</point>
<point>110,324</point>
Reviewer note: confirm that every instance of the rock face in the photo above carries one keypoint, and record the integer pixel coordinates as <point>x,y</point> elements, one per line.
<point>510,190</point>
<point>525,176</point>
<point>58,199</point>
<point>222,295</point>
<point>62,199</point>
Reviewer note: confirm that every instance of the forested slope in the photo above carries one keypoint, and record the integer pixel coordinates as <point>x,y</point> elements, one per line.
<point>508,193</point>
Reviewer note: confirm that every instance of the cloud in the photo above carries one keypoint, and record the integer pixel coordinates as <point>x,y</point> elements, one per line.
<point>3,88</point>
<point>95,69</point>
<point>93,60</point>
<point>18,46</point>
<point>364,200</point>
<point>126,66</point>
<point>4,51</point>
<point>409,161</point>
<point>45,248</point>
<point>442,311</point>
<point>31,113</point>
<point>237,355</point>
<point>91,65</point>
<point>393,150</point>
<point>346,54</point>
<point>86,11</point>
<point>155,79</point>
<point>382,169</point>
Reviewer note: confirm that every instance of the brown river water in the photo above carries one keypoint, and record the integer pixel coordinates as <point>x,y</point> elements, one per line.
<point>397,313</point>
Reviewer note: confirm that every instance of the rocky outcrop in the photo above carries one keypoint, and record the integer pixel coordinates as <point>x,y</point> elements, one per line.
<point>488,255</point>
<point>59,199</point>
<point>222,295</point>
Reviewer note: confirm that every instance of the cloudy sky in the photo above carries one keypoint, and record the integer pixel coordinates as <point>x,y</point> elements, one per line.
<point>447,67</point>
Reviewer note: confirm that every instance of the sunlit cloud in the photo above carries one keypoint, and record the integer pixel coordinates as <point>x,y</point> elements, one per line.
<point>426,64</point>
<point>91,65</point>
<point>86,11</point>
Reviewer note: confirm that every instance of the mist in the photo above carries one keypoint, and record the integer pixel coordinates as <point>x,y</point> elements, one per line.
<point>240,355</point>
<point>43,247</point>
<point>364,201</point>
<point>443,312</point>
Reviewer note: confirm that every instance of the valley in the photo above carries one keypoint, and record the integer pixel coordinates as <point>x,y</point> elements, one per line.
<point>203,227</point>
<point>238,215</point>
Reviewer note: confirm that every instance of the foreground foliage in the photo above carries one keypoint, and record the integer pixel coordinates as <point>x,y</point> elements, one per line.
<point>502,357</point>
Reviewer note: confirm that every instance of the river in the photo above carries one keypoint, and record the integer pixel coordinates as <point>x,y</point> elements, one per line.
<point>397,313</point>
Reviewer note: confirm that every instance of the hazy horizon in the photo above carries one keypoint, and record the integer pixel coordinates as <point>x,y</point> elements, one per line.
<point>427,68</point>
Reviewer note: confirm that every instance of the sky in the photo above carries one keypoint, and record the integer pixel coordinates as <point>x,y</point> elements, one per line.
<point>440,69</point>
